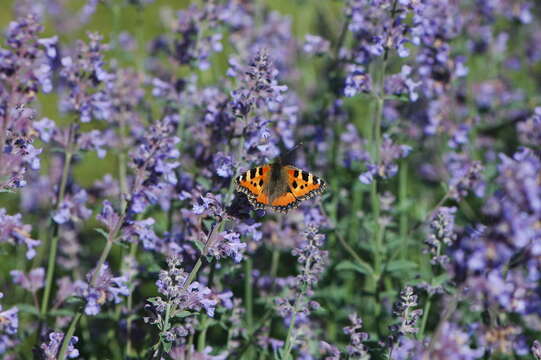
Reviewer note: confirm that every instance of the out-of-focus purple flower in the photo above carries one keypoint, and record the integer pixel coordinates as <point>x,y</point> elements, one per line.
<point>465,176</point>
<point>45,128</point>
<point>50,350</point>
<point>453,343</point>
<point>402,84</point>
<point>85,75</point>
<point>315,45</point>
<point>223,165</point>
<point>154,160</point>
<point>356,348</point>
<point>12,230</point>
<point>357,81</point>
<point>329,351</point>
<point>209,205</point>
<point>9,325</point>
<point>33,281</point>
<point>529,131</point>
<point>259,86</point>
<point>73,208</point>
<point>142,230</point>
<point>108,216</point>
<point>536,350</point>
<point>226,243</point>
<point>106,289</point>
<point>387,168</point>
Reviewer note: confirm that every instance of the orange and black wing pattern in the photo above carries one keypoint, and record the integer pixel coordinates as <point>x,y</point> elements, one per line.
<point>304,185</point>
<point>252,183</point>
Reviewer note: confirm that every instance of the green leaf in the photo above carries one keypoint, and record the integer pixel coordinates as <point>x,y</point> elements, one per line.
<point>401,265</point>
<point>103,232</point>
<point>61,312</point>
<point>349,265</point>
<point>27,308</point>
<point>166,346</point>
<point>183,314</point>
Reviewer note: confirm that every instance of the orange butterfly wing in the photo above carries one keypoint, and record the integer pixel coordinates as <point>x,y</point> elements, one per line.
<point>252,182</point>
<point>304,185</point>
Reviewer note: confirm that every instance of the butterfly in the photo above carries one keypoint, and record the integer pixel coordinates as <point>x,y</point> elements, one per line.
<point>278,187</point>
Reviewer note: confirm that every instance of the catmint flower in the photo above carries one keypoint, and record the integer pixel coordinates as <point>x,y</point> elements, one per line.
<point>85,75</point>
<point>402,84</point>
<point>404,310</point>
<point>142,230</point>
<point>452,343</point>
<point>466,176</point>
<point>105,289</point>
<point>13,231</point>
<point>154,160</point>
<point>45,127</point>
<point>357,81</point>
<point>108,216</point>
<point>329,351</point>
<point>387,168</point>
<point>315,45</point>
<point>223,165</point>
<point>260,86</point>
<point>9,325</point>
<point>529,131</point>
<point>442,234</point>
<point>50,350</point>
<point>356,349</point>
<point>226,243</point>
<point>33,281</point>
<point>73,208</point>
<point>172,284</point>
<point>536,350</point>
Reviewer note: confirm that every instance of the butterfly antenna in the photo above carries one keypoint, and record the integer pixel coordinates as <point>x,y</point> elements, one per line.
<point>297,145</point>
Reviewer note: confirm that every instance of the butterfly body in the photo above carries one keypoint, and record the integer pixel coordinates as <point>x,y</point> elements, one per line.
<point>278,187</point>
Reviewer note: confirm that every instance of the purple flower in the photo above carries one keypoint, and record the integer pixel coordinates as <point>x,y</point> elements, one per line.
<point>357,81</point>
<point>387,168</point>
<point>223,165</point>
<point>536,350</point>
<point>31,282</point>
<point>404,310</point>
<point>142,230</point>
<point>529,131</point>
<point>73,208</point>
<point>12,230</point>
<point>466,176</point>
<point>259,86</point>
<point>402,84</point>
<point>50,350</point>
<point>356,348</point>
<point>109,217</point>
<point>105,289</point>
<point>442,233</point>
<point>9,325</point>
<point>172,284</point>
<point>315,45</point>
<point>226,243</point>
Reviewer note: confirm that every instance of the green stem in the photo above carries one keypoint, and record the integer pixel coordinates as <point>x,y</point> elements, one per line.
<point>289,340</point>
<point>248,293</point>
<point>202,339</point>
<point>402,201</point>
<point>424,320</point>
<point>54,241</point>
<point>129,349</point>
<point>69,334</point>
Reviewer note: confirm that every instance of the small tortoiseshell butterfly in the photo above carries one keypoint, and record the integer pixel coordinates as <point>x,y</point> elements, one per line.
<point>278,187</point>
